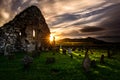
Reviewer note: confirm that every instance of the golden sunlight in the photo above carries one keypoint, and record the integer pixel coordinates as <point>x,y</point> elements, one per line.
<point>5,14</point>
<point>54,37</point>
<point>51,37</point>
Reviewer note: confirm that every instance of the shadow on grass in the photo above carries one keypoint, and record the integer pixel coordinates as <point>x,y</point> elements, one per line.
<point>107,71</point>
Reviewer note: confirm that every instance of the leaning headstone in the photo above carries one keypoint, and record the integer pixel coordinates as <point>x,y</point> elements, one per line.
<point>27,60</point>
<point>102,59</point>
<point>86,62</point>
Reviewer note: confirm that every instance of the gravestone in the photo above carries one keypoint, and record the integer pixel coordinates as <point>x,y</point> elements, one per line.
<point>70,53</point>
<point>26,61</point>
<point>102,59</point>
<point>108,53</point>
<point>86,62</point>
<point>64,51</point>
<point>93,64</point>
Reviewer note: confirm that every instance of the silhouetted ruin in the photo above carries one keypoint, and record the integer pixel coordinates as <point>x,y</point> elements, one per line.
<point>28,31</point>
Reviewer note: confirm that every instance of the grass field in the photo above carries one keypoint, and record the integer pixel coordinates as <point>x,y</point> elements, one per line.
<point>66,68</point>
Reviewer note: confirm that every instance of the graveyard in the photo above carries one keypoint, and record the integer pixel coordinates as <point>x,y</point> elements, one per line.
<point>61,67</point>
<point>29,52</point>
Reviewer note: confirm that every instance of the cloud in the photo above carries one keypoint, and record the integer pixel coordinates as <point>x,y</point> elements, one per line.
<point>84,17</point>
<point>68,18</point>
<point>91,29</point>
<point>110,38</point>
<point>112,24</point>
<point>112,18</point>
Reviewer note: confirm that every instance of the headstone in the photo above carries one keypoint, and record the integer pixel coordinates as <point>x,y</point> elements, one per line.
<point>79,49</point>
<point>86,62</point>
<point>27,60</point>
<point>93,64</point>
<point>70,53</point>
<point>73,49</point>
<point>108,53</point>
<point>64,51</point>
<point>102,59</point>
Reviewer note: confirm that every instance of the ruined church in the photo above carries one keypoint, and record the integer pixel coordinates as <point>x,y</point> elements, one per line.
<point>27,29</point>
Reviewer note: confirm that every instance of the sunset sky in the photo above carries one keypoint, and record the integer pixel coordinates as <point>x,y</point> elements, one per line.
<point>72,18</point>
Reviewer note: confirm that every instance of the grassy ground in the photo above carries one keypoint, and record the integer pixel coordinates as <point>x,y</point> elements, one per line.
<point>65,68</point>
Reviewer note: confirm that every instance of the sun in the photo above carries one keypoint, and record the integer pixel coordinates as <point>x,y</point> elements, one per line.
<point>51,37</point>
<point>54,37</point>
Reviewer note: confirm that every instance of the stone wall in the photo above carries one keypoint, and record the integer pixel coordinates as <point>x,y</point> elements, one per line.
<point>18,33</point>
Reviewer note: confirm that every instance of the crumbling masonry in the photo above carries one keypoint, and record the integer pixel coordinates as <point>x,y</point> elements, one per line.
<point>27,29</point>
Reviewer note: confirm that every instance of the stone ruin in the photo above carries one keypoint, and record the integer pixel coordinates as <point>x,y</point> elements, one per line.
<point>28,31</point>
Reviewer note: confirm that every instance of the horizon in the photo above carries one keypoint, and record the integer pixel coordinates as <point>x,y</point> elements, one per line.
<point>77,19</point>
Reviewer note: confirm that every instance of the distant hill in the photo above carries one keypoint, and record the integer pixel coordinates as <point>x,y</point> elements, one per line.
<point>88,39</point>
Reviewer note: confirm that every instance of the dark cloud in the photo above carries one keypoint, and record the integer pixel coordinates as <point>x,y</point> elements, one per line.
<point>1,2</point>
<point>67,17</point>
<point>91,29</point>
<point>113,18</point>
<point>95,19</point>
<point>11,8</point>
<point>110,38</point>
<point>104,13</point>
<point>16,4</point>
<point>112,24</point>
